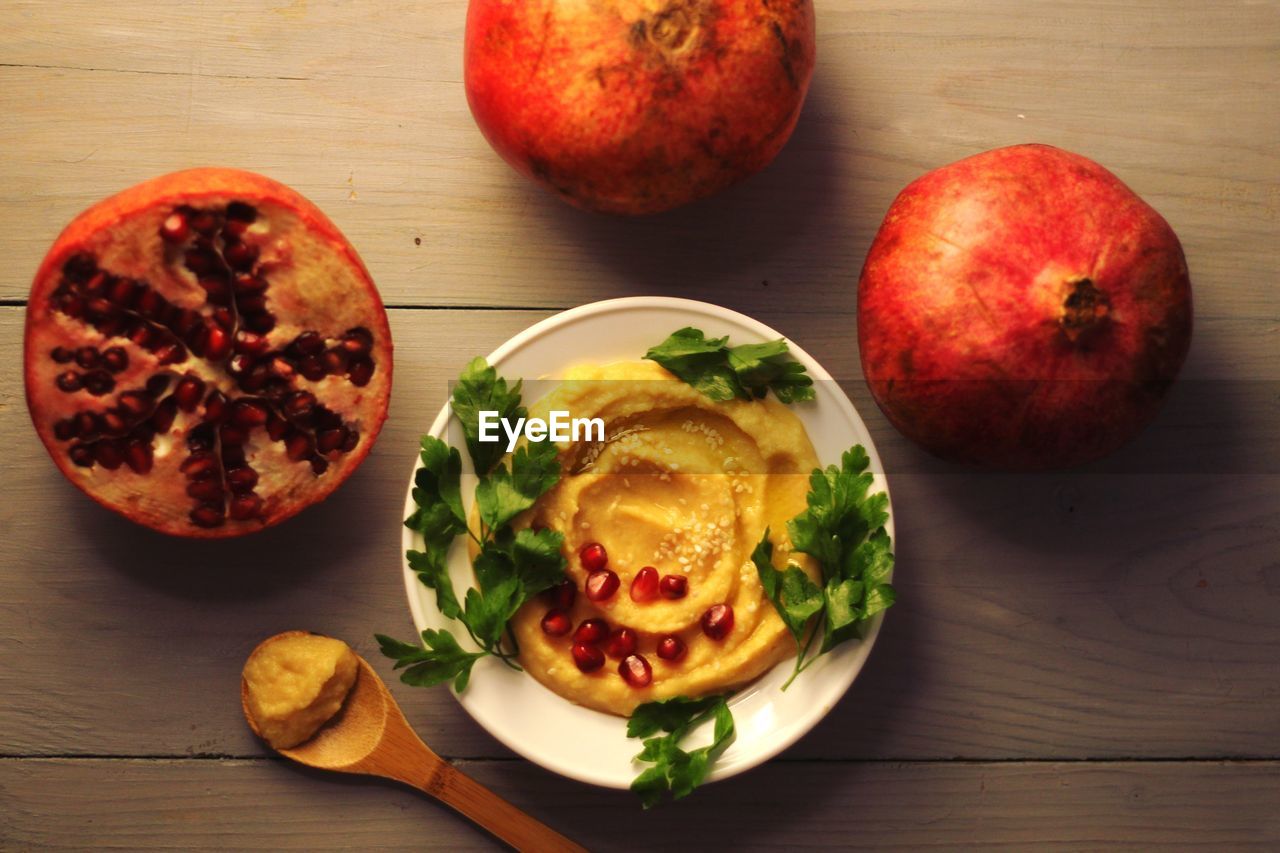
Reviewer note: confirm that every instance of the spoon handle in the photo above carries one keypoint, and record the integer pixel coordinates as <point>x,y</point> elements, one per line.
<point>487,809</point>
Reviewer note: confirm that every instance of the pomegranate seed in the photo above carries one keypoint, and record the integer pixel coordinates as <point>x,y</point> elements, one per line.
<point>717,622</point>
<point>245,506</point>
<point>62,355</point>
<point>334,361</point>
<point>308,343</point>
<point>186,322</point>
<point>171,352</point>
<point>360,372</point>
<point>330,439</point>
<point>240,211</point>
<point>87,425</point>
<point>100,308</point>
<point>200,261</point>
<point>123,292</point>
<point>108,455</point>
<point>256,378</point>
<point>204,221</point>
<point>587,658</point>
<point>277,427</point>
<point>199,464</point>
<point>242,479</point>
<point>215,406</point>
<point>138,456</point>
<point>205,490</point>
<point>249,413</point>
<point>233,457</point>
<point>217,289</point>
<point>151,304</point>
<point>115,359</point>
<point>174,228</point>
<point>141,335</point>
<point>674,586</point>
<point>561,595</point>
<point>672,649</point>
<point>64,430</point>
<point>602,585</point>
<point>135,403</point>
<point>201,437</point>
<point>259,321</point>
<point>300,404</point>
<point>68,381</point>
<point>593,556</point>
<point>621,643</point>
<point>87,357</point>
<point>591,631</point>
<point>218,344</point>
<point>98,382</point>
<point>240,256</point>
<point>253,303</point>
<point>358,341</point>
<point>556,623</point>
<point>319,465</point>
<point>353,438</point>
<point>312,368</point>
<point>644,586</point>
<point>245,284</point>
<point>81,455</point>
<point>297,447</point>
<point>251,342</point>
<point>281,367</point>
<point>163,417</point>
<point>113,423</point>
<point>224,317</point>
<point>188,393</point>
<point>635,670</point>
<point>230,434</point>
<point>208,515</point>
<point>157,385</point>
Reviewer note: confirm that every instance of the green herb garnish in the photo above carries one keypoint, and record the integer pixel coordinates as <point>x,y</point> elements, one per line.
<point>843,529</point>
<point>674,770</point>
<point>512,565</point>
<point>744,372</point>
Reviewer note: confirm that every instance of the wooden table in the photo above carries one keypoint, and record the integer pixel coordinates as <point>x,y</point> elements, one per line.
<point>1085,659</point>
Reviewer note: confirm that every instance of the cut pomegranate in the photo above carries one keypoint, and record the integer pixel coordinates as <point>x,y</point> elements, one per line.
<point>644,586</point>
<point>717,622</point>
<point>561,595</point>
<point>674,586</point>
<point>602,585</point>
<point>635,670</point>
<point>587,658</point>
<point>591,631</point>
<point>556,623</point>
<point>166,354</point>
<point>621,643</point>
<point>672,649</point>
<point>593,557</point>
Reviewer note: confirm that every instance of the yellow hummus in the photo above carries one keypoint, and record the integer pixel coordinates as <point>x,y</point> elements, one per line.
<point>684,484</point>
<point>295,683</point>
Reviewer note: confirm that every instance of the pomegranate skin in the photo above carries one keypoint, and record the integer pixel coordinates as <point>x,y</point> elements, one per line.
<point>637,106</point>
<point>1022,309</point>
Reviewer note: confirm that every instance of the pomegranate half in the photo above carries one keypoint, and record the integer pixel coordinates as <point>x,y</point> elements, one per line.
<point>637,106</point>
<point>205,353</point>
<point>1022,309</point>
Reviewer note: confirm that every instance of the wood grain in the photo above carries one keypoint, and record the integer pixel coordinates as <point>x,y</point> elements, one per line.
<point>787,805</point>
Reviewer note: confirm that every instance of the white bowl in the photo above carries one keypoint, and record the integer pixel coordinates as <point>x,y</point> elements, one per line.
<point>588,745</point>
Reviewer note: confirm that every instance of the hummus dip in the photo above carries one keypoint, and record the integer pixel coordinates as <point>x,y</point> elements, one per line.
<point>294,683</point>
<point>687,485</point>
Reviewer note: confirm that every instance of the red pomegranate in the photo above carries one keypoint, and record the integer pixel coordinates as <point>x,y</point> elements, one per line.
<point>1022,309</point>
<point>205,354</point>
<point>637,107</point>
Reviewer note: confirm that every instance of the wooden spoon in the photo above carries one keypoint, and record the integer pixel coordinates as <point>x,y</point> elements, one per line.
<point>371,736</point>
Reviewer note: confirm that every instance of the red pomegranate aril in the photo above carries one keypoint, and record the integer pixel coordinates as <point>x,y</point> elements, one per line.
<point>360,372</point>
<point>108,455</point>
<point>162,418</point>
<point>245,506</point>
<point>602,585</point>
<point>98,382</point>
<point>200,261</point>
<point>591,631</point>
<point>587,658</point>
<point>135,403</point>
<point>246,283</point>
<point>87,357</point>
<point>242,479</point>
<point>208,515</point>
<point>358,341</point>
<point>205,490</point>
<point>672,649</point>
<point>593,556</point>
<point>253,303</point>
<point>65,430</point>
<point>561,595</point>
<point>199,464</point>
<point>62,355</point>
<point>635,670</point>
<point>152,304</point>
<point>157,385</point>
<point>318,465</point>
<point>215,406</point>
<point>174,228</point>
<point>123,292</point>
<point>334,361</point>
<point>141,335</point>
<point>115,359</point>
<point>297,447</point>
<point>277,427</point>
<point>81,455</point>
<point>312,368</point>
<point>556,623</point>
<point>281,367</point>
<point>113,423</point>
<point>300,404</point>
<point>240,211</point>
<point>233,456</point>
<point>138,456</point>
<point>240,256</point>
<point>717,622</point>
<point>171,352</point>
<point>86,425</point>
<point>644,586</point>
<point>218,343</point>
<point>621,643</point>
<point>330,439</point>
<point>230,434</point>
<point>308,343</point>
<point>674,586</point>
<point>251,342</point>
<point>352,439</point>
<point>249,413</point>
<point>68,381</point>
<point>259,321</point>
<point>188,393</point>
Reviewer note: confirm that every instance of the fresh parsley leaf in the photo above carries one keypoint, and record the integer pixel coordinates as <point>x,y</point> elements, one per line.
<point>794,595</point>
<point>487,612</point>
<point>441,659</point>
<point>479,389</point>
<point>674,770</point>
<point>433,571</point>
<point>439,518</point>
<point>840,513</point>
<point>505,493</point>
<point>538,559</point>
<point>722,372</point>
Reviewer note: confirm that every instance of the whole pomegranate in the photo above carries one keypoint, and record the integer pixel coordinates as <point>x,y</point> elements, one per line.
<point>205,353</point>
<point>637,106</point>
<point>1022,309</point>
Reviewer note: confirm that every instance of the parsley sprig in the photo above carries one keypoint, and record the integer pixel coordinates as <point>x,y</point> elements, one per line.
<point>511,566</point>
<point>675,771</point>
<point>744,372</point>
<point>843,529</point>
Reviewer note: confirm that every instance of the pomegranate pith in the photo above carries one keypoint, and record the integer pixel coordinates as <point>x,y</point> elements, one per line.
<point>174,299</point>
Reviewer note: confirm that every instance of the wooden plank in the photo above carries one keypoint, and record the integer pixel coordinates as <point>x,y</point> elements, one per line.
<point>1065,615</point>
<point>366,114</point>
<point>198,805</point>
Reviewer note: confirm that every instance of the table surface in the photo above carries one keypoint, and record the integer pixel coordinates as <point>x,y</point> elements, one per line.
<point>1083,659</point>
